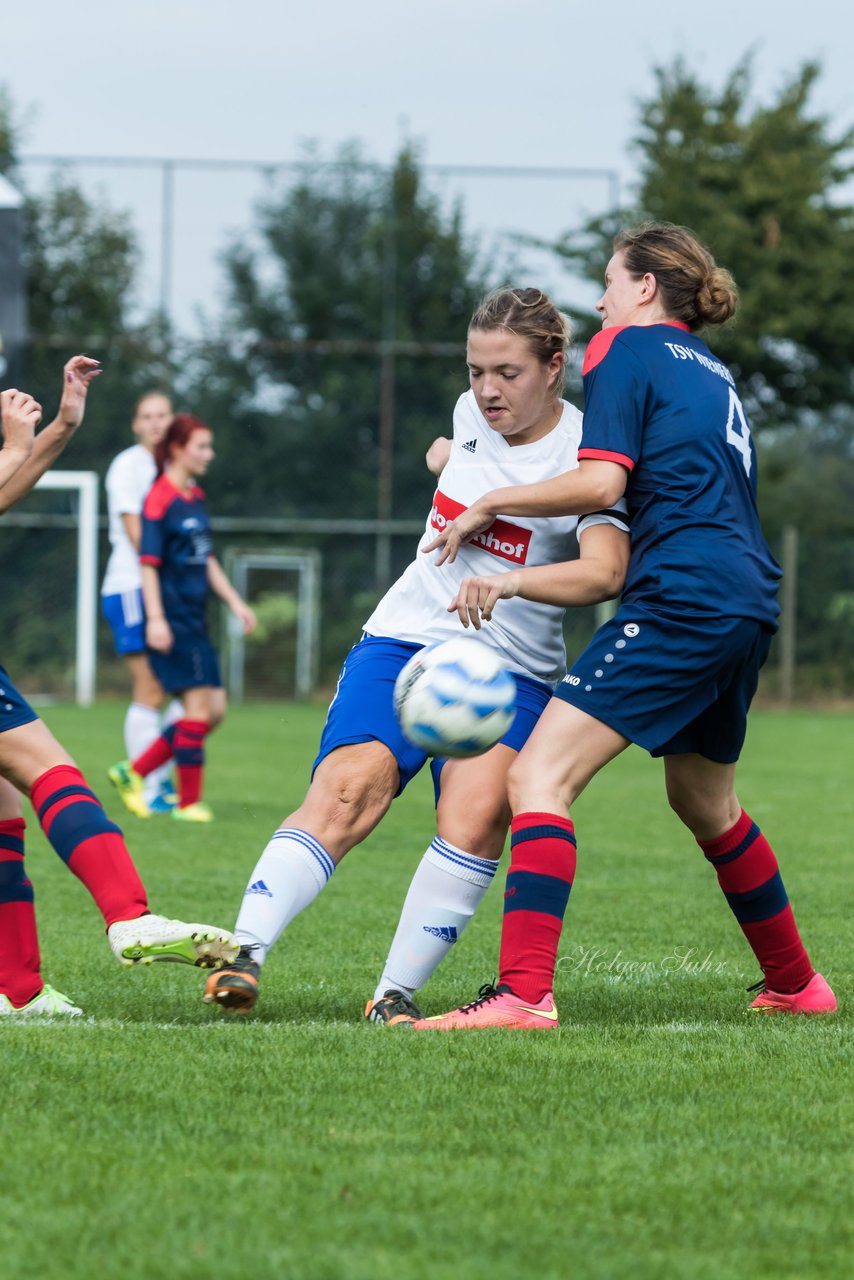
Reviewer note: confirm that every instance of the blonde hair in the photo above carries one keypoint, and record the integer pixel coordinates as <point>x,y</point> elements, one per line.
<point>693,288</point>
<point>530,314</point>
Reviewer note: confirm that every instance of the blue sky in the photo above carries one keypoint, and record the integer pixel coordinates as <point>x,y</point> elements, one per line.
<point>476,82</point>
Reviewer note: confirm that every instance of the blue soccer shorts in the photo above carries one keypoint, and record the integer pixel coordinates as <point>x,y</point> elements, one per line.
<point>191,663</point>
<point>126,616</point>
<point>363,707</point>
<point>671,684</point>
<point>14,708</point>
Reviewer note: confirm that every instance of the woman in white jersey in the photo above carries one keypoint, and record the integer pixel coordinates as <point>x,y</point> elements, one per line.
<point>511,424</point>
<point>129,478</point>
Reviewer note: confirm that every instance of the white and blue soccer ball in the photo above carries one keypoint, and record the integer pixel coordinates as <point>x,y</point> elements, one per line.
<point>455,698</point>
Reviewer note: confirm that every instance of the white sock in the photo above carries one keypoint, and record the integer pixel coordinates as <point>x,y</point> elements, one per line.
<point>445,892</point>
<point>142,727</point>
<point>161,779</point>
<point>288,876</point>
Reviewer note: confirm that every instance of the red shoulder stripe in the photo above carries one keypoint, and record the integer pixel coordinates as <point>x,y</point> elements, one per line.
<point>598,347</point>
<point>605,455</point>
<point>159,498</point>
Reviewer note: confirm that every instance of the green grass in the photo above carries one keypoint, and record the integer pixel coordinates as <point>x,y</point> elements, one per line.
<point>662,1132</point>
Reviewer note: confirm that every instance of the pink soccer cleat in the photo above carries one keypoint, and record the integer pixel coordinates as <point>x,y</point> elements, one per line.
<point>496,1007</point>
<point>815,997</point>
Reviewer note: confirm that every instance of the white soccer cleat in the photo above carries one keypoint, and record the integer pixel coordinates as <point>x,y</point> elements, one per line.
<point>47,1004</point>
<point>151,938</point>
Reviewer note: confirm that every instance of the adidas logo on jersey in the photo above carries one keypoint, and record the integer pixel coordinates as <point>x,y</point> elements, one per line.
<point>470,445</point>
<point>446,932</point>
<point>258,887</point>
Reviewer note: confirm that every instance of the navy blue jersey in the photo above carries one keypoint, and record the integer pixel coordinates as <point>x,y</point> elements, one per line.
<point>657,401</point>
<point>176,538</point>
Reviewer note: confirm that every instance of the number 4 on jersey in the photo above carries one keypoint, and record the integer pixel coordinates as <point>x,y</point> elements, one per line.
<point>738,439</point>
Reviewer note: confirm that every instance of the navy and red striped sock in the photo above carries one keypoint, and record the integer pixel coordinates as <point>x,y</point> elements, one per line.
<point>542,868</point>
<point>190,759</point>
<point>750,878</point>
<point>159,753</point>
<point>89,844</point>
<point>20,963</point>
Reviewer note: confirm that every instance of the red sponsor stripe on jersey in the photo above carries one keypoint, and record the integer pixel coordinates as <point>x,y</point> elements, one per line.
<point>605,455</point>
<point>502,538</point>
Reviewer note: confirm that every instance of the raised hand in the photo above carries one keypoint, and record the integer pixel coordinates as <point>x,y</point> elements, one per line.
<point>21,415</point>
<point>76,377</point>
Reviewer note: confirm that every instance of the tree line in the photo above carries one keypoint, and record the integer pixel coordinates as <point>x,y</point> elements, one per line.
<point>352,260</point>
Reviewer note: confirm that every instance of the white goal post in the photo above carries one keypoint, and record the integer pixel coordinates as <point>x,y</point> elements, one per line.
<point>306,564</point>
<point>85,485</point>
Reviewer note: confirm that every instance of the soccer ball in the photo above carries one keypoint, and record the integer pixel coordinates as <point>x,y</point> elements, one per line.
<point>455,698</point>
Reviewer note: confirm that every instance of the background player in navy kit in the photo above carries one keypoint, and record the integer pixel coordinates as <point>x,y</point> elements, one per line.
<point>677,667</point>
<point>33,763</point>
<point>129,478</point>
<point>179,571</point>
<point>512,424</point>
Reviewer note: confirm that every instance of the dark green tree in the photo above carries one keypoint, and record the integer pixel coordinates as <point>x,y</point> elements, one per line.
<point>352,277</point>
<point>761,185</point>
<point>347,258</point>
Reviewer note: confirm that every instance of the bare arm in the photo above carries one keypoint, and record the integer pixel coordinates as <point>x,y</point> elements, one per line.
<point>20,415</point>
<point>597,575</point>
<point>592,486</point>
<point>133,528</point>
<point>221,586</point>
<point>52,439</point>
<point>158,633</point>
<point>438,454</point>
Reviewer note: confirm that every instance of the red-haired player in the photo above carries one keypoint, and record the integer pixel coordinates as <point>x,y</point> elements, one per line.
<point>179,571</point>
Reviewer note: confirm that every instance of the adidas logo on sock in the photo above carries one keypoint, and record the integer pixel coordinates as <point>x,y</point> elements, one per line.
<point>470,445</point>
<point>258,887</point>
<point>446,932</point>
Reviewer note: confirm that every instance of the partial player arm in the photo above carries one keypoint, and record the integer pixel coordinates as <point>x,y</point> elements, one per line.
<point>592,485</point>
<point>597,575</point>
<point>158,633</point>
<point>221,586</point>
<point>19,472</point>
<point>438,454</point>
<point>133,528</point>
<point>20,415</point>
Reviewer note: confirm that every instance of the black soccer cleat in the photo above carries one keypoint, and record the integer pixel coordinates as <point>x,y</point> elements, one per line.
<point>234,987</point>
<point>394,1009</point>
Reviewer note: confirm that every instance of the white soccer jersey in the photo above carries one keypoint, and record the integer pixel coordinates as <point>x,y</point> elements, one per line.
<point>131,475</point>
<point>527,635</point>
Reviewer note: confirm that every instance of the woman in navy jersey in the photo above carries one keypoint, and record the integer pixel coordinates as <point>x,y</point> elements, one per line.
<point>675,670</point>
<point>179,571</point>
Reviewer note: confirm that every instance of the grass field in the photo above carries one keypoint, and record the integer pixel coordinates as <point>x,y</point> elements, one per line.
<point>662,1132</point>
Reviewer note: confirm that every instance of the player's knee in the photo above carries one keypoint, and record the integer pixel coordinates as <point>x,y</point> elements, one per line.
<point>355,801</point>
<point>482,828</point>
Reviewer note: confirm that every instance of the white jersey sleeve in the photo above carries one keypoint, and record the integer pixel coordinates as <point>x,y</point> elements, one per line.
<point>130,476</point>
<point>528,635</point>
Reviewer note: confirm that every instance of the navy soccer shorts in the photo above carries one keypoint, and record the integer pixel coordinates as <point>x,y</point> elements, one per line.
<point>126,616</point>
<point>191,663</point>
<point>363,707</point>
<point>671,684</point>
<point>14,708</point>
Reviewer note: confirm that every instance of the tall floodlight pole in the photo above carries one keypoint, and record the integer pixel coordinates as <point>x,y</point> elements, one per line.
<point>13,297</point>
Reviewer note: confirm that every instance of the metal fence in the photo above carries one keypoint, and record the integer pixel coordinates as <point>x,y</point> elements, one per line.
<point>811,656</point>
